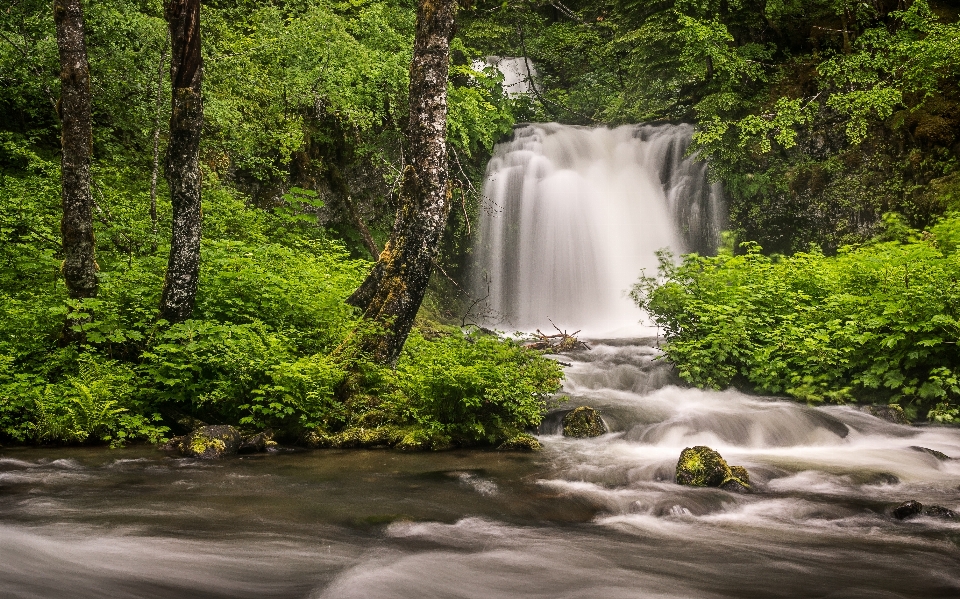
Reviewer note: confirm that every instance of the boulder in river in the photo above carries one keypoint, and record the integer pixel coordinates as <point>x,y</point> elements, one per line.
<point>911,508</point>
<point>211,442</point>
<point>522,442</point>
<point>257,443</point>
<point>907,509</point>
<point>583,422</point>
<point>701,466</point>
<point>938,511</point>
<point>890,412</point>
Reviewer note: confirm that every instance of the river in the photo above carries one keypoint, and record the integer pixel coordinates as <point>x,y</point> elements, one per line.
<point>584,518</point>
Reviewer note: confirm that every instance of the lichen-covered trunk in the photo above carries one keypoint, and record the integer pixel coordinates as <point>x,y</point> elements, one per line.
<point>182,167</point>
<point>393,291</point>
<point>76,227</point>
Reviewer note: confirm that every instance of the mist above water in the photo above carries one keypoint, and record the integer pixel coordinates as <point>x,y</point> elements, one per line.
<point>573,215</point>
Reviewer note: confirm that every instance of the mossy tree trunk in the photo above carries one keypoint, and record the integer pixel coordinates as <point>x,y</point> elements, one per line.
<point>183,154</point>
<point>79,259</point>
<point>393,291</point>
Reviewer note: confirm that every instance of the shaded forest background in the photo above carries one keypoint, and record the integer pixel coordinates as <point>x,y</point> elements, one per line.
<point>818,117</point>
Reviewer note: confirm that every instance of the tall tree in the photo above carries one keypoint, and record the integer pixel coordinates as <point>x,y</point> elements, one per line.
<point>183,154</point>
<point>79,260</point>
<point>393,291</point>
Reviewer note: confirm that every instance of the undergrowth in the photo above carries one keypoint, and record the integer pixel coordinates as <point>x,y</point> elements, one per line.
<point>879,322</point>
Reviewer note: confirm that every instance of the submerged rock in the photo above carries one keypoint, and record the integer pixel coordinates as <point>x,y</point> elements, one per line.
<point>522,442</point>
<point>891,413</point>
<point>211,442</point>
<point>938,511</point>
<point>701,466</point>
<point>583,422</point>
<point>937,454</point>
<point>907,509</point>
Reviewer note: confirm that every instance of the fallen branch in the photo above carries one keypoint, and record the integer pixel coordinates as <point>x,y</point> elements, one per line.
<point>558,343</point>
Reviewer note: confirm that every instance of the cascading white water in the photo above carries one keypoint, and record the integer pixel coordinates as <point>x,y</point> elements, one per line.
<point>518,73</point>
<point>573,215</point>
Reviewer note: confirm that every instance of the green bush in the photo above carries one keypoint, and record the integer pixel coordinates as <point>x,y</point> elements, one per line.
<point>875,323</point>
<point>472,388</point>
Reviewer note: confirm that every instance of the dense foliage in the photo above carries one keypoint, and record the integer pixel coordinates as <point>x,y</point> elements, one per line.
<point>877,323</point>
<point>305,106</point>
<point>818,116</point>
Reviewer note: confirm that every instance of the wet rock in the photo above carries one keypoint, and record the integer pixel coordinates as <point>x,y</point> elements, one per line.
<point>739,481</point>
<point>386,436</point>
<point>891,413</point>
<point>173,444</point>
<point>211,442</point>
<point>937,454</point>
<point>257,443</point>
<point>583,422</point>
<point>907,509</point>
<point>522,442</point>
<point>701,466</point>
<point>938,511</point>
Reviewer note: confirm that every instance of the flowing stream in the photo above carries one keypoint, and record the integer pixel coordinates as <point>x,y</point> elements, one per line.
<point>585,518</point>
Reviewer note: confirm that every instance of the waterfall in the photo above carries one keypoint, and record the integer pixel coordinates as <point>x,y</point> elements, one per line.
<point>573,215</point>
<point>518,73</point>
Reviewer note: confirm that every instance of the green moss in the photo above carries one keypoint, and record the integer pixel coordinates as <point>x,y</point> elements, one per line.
<point>521,442</point>
<point>701,466</point>
<point>738,475</point>
<point>583,422</point>
<point>200,445</point>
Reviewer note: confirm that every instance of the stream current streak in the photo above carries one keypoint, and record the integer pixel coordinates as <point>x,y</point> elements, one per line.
<point>593,518</point>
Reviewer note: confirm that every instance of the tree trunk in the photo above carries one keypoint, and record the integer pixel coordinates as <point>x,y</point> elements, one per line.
<point>79,260</point>
<point>182,168</point>
<point>393,291</point>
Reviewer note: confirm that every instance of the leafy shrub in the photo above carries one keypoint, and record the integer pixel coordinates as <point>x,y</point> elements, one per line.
<point>471,388</point>
<point>874,323</point>
<point>94,405</point>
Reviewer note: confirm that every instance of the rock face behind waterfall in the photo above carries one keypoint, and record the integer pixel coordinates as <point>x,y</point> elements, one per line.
<point>701,466</point>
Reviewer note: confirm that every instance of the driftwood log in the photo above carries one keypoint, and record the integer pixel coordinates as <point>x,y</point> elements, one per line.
<point>557,343</point>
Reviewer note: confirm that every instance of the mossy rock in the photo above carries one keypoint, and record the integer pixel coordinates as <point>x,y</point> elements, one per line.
<point>701,466</point>
<point>357,437</point>
<point>257,443</point>
<point>890,412</point>
<point>211,442</point>
<point>583,422</point>
<point>740,473</point>
<point>521,442</point>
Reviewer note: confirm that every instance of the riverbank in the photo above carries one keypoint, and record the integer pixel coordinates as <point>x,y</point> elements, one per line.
<point>595,518</point>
